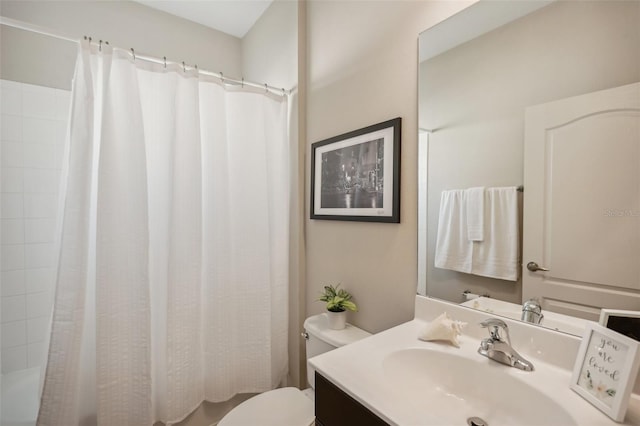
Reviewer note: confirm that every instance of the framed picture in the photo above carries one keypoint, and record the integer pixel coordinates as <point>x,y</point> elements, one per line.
<point>624,322</point>
<point>606,369</point>
<point>356,176</point>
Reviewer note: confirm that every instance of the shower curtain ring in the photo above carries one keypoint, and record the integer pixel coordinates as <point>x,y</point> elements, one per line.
<point>165,62</point>
<point>221,77</point>
<point>184,67</point>
<point>266,88</point>
<point>100,46</point>
<point>133,53</point>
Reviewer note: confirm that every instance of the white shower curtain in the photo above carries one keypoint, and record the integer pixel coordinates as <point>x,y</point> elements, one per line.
<point>173,273</point>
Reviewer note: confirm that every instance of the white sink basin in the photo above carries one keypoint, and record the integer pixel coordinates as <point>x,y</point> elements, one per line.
<point>455,388</point>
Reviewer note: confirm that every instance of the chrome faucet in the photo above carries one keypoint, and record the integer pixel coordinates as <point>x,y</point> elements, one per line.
<point>499,349</point>
<point>532,311</point>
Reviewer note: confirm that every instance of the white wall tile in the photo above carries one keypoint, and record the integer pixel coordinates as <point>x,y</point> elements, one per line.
<point>12,257</point>
<point>39,155</point>
<point>12,231</point>
<point>14,359</point>
<point>34,125</point>
<point>40,205</point>
<point>11,206</point>
<point>38,101</point>
<point>39,130</point>
<point>39,304</point>
<point>10,84</point>
<point>41,181</point>
<point>12,154</point>
<point>37,329</point>
<point>63,104</point>
<point>12,180</point>
<point>13,308</point>
<point>39,230</point>
<point>60,132</point>
<point>14,334</point>
<point>11,128</point>
<point>60,155</point>
<point>11,98</point>
<point>13,282</point>
<point>36,354</point>
<point>39,279</point>
<point>38,255</point>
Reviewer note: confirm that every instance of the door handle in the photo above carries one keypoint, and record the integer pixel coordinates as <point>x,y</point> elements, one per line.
<point>533,267</point>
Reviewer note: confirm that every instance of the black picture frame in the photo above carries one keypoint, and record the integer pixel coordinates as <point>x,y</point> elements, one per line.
<point>356,176</point>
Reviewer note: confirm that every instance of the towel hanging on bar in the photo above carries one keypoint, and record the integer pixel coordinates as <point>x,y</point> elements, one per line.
<point>496,256</point>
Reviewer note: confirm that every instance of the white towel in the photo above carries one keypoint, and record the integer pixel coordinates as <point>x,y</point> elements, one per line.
<point>497,255</point>
<point>453,248</point>
<point>475,213</point>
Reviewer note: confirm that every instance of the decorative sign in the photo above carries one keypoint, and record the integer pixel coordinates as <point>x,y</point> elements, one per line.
<point>606,369</point>
<point>624,322</point>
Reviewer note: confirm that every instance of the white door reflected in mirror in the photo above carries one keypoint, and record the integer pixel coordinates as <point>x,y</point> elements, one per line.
<point>582,163</point>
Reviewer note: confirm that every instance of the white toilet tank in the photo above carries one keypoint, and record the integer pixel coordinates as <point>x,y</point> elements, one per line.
<point>321,339</point>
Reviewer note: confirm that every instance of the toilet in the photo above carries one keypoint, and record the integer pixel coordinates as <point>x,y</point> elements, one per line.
<point>290,406</point>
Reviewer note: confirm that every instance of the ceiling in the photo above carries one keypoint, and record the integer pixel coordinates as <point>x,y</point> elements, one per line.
<point>234,17</point>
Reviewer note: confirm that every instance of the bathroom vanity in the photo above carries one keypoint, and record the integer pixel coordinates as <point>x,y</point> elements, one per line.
<point>394,378</point>
<point>336,407</point>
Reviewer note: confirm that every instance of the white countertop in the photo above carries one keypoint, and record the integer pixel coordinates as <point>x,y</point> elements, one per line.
<point>358,370</point>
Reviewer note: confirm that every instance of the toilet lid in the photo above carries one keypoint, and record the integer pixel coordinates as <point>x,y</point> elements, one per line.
<point>279,407</point>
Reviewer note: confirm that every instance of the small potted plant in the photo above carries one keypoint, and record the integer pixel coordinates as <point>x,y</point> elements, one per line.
<point>338,302</point>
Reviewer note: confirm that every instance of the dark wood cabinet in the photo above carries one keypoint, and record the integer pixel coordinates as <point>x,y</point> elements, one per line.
<point>335,408</point>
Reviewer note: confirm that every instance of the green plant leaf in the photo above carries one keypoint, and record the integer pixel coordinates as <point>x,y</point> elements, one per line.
<point>337,300</point>
<point>347,304</point>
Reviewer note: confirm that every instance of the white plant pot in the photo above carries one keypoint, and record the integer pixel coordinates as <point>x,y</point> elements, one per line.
<point>337,320</point>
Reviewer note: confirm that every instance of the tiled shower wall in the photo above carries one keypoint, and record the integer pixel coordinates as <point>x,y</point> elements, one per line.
<point>34,121</point>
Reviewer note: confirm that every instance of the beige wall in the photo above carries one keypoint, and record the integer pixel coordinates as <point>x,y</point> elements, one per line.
<point>269,49</point>
<point>36,59</point>
<point>362,69</point>
<point>475,96</point>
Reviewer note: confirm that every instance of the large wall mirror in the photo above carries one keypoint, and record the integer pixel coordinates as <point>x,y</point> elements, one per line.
<point>542,95</point>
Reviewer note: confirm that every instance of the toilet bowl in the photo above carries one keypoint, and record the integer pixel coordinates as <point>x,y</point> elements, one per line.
<point>291,406</point>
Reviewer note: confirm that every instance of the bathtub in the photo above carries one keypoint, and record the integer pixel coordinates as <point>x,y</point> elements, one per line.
<point>20,397</point>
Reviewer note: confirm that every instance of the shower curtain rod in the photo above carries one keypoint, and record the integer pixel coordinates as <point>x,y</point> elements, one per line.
<point>162,61</point>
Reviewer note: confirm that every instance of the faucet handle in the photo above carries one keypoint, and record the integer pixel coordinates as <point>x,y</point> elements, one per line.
<point>532,311</point>
<point>494,325</point>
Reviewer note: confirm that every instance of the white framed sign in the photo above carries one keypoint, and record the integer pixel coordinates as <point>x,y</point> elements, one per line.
<point>606,369</point>
<point>624,322</point>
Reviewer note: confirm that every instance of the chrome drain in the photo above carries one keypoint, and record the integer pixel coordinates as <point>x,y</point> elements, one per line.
<point>476,421</point>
